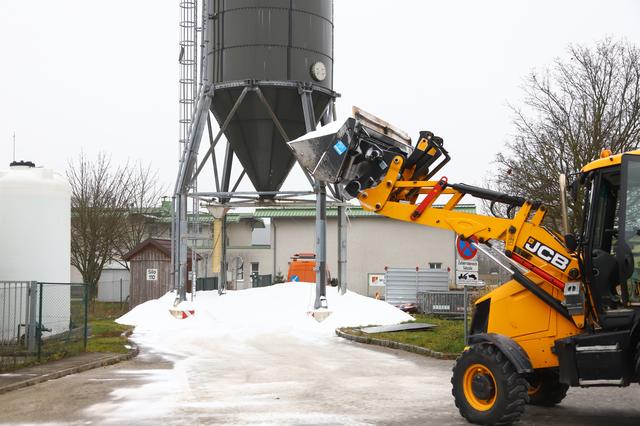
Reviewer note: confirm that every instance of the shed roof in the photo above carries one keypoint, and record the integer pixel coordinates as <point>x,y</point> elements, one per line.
<point>355,211</point>
<point>161,244</point>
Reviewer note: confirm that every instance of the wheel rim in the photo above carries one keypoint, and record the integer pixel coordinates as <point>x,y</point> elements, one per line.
<point>534,388</point>
<point>480,388</point>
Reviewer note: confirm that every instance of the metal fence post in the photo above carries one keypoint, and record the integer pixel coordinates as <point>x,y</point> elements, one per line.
<point>33,311</point>
<point>120,293</point>
<point>466,307</point>
<point>39,327</point>
<point>86,312</point>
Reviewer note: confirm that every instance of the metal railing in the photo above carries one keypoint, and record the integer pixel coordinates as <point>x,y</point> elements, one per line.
<point>402,285</point>
<point>206,283</point>
<point>40,320</point>
<point>449,303</point>
<point>457,304</point>
<point>14,312</point>
<point>261,280</point>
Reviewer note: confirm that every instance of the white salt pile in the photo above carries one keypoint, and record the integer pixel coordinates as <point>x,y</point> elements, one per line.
<point>243,349</point>
<point>281,308</point>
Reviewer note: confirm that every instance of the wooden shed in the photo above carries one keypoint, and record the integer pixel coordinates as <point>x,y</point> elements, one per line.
<point>150,268</point>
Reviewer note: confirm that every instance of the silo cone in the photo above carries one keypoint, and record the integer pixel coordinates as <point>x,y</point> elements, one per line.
<point>255,138</point>
<point>285,48</point>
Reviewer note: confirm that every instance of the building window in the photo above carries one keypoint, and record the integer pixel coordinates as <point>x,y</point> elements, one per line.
<point>261,233</point>
<point>255,268</point>
<point>238,266</point>
<point>435,265</point>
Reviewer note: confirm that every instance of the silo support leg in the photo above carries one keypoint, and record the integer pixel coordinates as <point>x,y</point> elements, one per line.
<point>321,243</point>
<point>222,277</point>
<point>225,124</point>
<point>342,248</point>
<point>182,240</point>
<point>321,208</point>
<point>212,147</point>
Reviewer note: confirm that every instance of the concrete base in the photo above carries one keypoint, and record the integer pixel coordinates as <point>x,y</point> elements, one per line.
<point>320,314</point>
<point>28,376</point>
<point>181,313</point>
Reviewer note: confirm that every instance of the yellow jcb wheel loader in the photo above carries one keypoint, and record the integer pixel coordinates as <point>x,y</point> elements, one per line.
<point>569,314</point>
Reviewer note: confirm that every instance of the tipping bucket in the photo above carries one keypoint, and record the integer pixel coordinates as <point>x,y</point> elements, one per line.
<point>351,154</point>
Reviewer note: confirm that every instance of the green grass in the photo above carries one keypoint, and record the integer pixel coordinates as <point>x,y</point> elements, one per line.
<point>107,328</point>
<point>107,344</point>
<point>447,337</point>
<point>107,310</point>
<point>106,334</point>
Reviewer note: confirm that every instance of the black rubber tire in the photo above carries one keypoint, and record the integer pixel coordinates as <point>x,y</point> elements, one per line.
<point>548,389</point>
<point>511,387</point>
<point>638,362</point>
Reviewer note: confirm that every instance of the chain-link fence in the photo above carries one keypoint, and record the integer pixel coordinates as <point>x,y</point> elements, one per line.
<point>40,321</point>
<point>116,290</point>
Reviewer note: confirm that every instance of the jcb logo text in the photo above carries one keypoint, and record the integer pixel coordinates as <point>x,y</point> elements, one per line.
<point>546,253</point>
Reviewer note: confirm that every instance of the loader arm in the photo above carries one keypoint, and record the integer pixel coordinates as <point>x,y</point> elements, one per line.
<point>391,178</point>
<point>526,242</point>
<point>558,267</point>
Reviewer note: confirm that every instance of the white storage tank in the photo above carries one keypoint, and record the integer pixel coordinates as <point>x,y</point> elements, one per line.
<point>35,237</point>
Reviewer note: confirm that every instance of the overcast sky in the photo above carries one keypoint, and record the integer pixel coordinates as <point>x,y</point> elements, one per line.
<point>102,76</point>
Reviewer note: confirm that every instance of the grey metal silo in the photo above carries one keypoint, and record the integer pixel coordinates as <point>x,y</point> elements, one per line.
<point>266,58</point>
<point>266,74</point>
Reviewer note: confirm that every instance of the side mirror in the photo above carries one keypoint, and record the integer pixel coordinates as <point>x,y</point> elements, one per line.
<point>573,190</point>
<point>571,242</point>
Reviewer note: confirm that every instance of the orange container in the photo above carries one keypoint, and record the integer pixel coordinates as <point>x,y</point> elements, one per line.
<point>301,268</point>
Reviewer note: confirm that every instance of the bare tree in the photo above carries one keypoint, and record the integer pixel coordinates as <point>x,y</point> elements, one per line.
<point>110,207</point>
<point>100,196</point>
<point>145,195</point>
<point>571,112</point>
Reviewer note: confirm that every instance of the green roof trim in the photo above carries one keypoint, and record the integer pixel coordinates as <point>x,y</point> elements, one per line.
<point>288,212</point>
<point>205,218</point>
<point>355,211</point>
<point>202,218</point>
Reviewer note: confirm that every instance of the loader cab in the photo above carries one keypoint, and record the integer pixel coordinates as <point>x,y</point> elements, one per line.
<point>611,238</point>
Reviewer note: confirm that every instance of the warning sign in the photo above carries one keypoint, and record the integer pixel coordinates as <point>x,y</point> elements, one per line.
<point>467,272</point>
<point>466,265</point>
<point>466,248</point>
<point>466,278</point>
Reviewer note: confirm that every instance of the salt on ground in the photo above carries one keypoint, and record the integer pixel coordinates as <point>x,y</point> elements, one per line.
<point>281,307</point>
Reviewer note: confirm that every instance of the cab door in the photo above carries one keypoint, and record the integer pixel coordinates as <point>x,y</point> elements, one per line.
<point>628,244</point>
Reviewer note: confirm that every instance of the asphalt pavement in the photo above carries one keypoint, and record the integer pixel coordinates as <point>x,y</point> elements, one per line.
<point>283,380</point>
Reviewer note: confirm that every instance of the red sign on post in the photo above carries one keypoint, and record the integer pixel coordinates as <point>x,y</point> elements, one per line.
<point>465,248</point>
